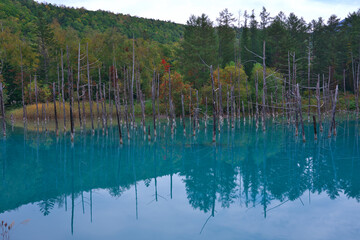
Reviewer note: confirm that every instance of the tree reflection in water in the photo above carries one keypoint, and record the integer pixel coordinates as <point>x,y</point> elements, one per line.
<point>244,166</point>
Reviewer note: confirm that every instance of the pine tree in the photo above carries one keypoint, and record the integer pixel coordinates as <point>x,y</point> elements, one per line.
<point>226,34</point>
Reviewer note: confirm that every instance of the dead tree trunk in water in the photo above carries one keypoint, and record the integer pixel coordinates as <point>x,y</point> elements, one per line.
<point>105,113</point>
<point>117,105</point>
<point>264,89</point>
<point>300,112</point>
<point>214,104</point>
<point>357,91</point>
<point>227,106</point>
<point>171,107</point>
<point>83,96</point>
<point>97,104</point>
<point>332,124</point>
<point>78,89</point>
<point>36,101</point>
<point>318,103</point>
<point>22,88</point>
<point>183,112</point>
<point>132,84</point>
<point>190,107</point>
<point>55,113</point>
<point>153,89</point>
<point>142,104</point>
<point>206,110</point>
<point>71,99</point>
<point>309,84</point>
<point>346,102</point>
<point>110,100</point>
<point>315,133</point>
<point>232,107</point>
<point>62,89</point>
<point>126,112</point>
<point>256,100</point>
<point>158,96</point>
<point>220,96</point>
<point>89,88</point>
<point>197,109</point>
<point>2,109</point>
<point>102,104</point>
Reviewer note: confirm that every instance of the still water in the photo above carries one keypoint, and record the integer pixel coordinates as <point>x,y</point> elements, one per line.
<point>250,185</point>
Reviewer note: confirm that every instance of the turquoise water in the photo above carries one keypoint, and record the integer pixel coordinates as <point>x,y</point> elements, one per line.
<point>250,185</point>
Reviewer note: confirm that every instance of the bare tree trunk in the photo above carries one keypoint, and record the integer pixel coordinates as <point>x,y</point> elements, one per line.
<point>97,104</point>
<point>36,101</point>
<point>214,104</point>
<point>197,109</point>
<point>183,112</point>
<point>324,96</point>
<point>89,88</point>
<point>126,112</point>
<point>22,88</point>
<point>309,84</point>
<point>190,107</point>
<point>132,84</point>
<point>2,106</point>
<point>239,101</point>
<point>117,105</point>
<point>62,90</point>
<point>357,91</point>
<point>294,74</point>
<point>315,133</point>
<point>346,101</point>
<point>227,106</point>
<point>71,99</point>
<point>300,112</point>
<point>30,99</point>
<point>158,96</point>
<point>333,124</point>
<point>264,87</point>
<point>232,107</point>
<point>55,113</point>
<point>206,109</point>
<point>78,89</point>
<point>247,98</point>
<point>105,113</point>
<point>102,104</point>
<point>142,104</point>
<point>243,109</point>
<point>83,106</point>
<point>256,99</point>
<point>220,96</point>
<point>153,89</point>
<point>110,100</point>
<point>171,107</point>
<point>318,103</point>
<point>289,72</point>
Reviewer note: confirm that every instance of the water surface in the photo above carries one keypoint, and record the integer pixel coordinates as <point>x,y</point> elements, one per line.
<point>249,185</point>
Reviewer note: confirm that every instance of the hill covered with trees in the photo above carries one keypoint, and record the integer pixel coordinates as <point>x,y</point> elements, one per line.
<point>56,42</point>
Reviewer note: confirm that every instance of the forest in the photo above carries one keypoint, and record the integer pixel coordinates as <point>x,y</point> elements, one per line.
<point>47,45</point>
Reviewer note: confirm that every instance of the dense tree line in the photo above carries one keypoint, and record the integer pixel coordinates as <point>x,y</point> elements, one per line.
<point>34,38</point>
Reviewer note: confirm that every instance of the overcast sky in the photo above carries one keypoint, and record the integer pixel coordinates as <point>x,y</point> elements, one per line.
<point>179,11</point>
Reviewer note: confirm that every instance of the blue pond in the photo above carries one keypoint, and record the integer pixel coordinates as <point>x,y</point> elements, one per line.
<point>249,185</point>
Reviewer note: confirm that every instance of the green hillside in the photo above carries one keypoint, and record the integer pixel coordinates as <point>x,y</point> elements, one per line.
<point>84,21</point>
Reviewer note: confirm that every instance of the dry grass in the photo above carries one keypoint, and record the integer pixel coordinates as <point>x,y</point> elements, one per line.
<point>31,111</point>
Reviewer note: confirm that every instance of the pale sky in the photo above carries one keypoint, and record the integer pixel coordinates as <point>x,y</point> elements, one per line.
<point>180,11</point>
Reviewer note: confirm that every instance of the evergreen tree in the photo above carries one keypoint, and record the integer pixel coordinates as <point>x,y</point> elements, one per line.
<point>45,42</point>
<point>197,49</point>
<point>226,34</point>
